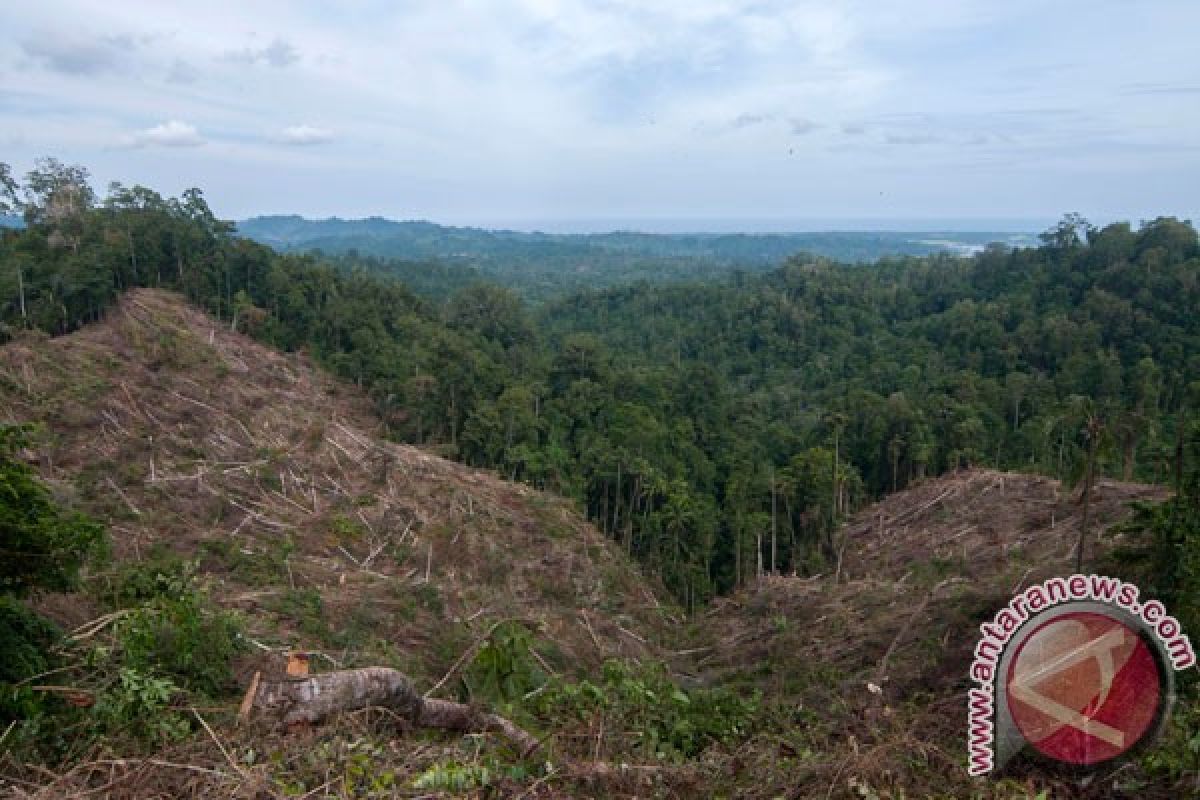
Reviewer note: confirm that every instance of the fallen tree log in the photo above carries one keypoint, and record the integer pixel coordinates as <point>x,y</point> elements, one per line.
<point>312,699</point>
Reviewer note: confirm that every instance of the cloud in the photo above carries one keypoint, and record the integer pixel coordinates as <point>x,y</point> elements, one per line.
<point>172,133</point>
<point>300,135</point>
<point>279,53</point>
<point>910,138</point>
<point>747,120</point>
<point>1159,88</point>
<point>496,106</point>
<point>182,72</point>
<point>801,126</point>
<point>73,55</point>
<point>798,126</point>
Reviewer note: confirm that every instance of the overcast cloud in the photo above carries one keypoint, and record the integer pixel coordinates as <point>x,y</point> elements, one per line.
<point>172,133</point>
<point>537,110</point>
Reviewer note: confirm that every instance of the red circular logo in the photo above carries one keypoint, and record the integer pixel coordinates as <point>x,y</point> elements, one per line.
<point>1083,688</point>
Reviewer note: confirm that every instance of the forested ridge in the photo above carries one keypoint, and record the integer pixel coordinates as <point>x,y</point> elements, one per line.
<point>714,430</point>
<point>545,266</point>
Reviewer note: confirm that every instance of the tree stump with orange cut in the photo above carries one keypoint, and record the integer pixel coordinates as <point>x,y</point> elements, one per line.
<point>303,699</point>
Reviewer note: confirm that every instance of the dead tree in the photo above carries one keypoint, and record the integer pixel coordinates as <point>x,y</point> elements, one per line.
<point>312,699</point>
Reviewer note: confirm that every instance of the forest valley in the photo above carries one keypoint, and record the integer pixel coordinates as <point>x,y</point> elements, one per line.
<point>718,431</point>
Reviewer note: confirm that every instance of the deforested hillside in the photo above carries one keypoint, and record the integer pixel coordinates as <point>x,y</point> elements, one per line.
<point>872,656</point>
<point>727,439</point>
<point>268,482</point>
<point>746,400</point>
<point>271,476</point>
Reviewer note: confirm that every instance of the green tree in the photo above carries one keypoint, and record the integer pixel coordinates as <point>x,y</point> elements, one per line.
<point>1070,233</point>
<point>1098,440</point>
<point>9,203</point>
<point>1169,555</point>
<point>58,195</point>
<point>43,545</point>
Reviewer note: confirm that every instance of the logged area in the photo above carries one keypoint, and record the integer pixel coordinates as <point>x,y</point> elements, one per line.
<point>246,473</point>
<point>200,443</point>
<point>220,461</point>
<point>872,657</point>
<point>523,400</point>
<point>277,526</point>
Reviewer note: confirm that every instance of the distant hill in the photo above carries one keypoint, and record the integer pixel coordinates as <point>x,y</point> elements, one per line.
<point>540,264</point>
<point>422,239</point>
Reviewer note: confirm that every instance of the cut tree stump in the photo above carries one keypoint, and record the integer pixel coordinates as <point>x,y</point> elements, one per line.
<point>312,699</point>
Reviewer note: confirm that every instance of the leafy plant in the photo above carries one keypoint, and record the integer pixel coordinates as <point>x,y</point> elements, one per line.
<point>185,638</point>
<point>454,777</point>
<point>306,608</point>
<point>25,638</point>
<point>1167,538</point>
<point>43,544</point>
<point>138,703</point>
<point>669,722</point>
<point>503,669</point>
<point>162,574</point>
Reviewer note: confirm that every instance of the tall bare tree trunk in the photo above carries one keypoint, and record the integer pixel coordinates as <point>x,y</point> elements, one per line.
<point>1181,417</point>
<point>616,520</point>
<point>758,571</point>
<point>1088,482</point>
<point>836,470</point>
<point>737,554</point>
<point>773,523</point>
<point>21,291</point>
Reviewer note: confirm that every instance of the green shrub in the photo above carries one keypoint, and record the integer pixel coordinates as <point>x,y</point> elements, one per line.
<point>454,777</point>
<point>265,568</point>
<point>1176,757</point>
<point>1165,552</point>
<point>138,704</point>
<point>43,544</point>
<point>670,723</point>
<point>345,530</point>
<point>25,641</point>
<point>430,598</point>
<point>184,638</point>
<point>162,574</point>
<point>25,638</point>
<point>504,670</point>
<point>306,608</point>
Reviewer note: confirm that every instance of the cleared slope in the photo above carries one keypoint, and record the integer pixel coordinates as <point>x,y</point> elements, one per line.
<point>921,569</point>
<point>184,435</point>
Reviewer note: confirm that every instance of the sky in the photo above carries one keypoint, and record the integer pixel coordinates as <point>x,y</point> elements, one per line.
<point>531,113</point>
